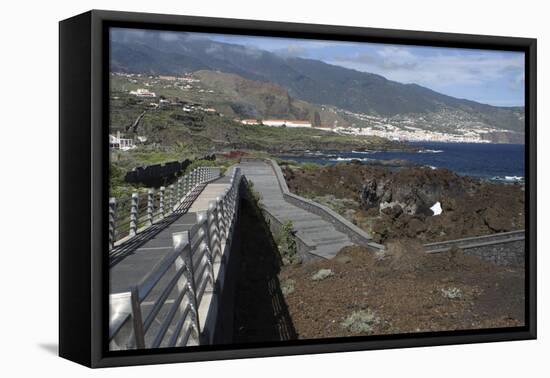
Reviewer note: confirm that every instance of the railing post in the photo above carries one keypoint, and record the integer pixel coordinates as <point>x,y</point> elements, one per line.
<point>178,190</point>
<point>171,202</point>
<point>112,222</point>
<point>213,228</point>
<point>139,333</point>
<point>150,206</point>
<point>192,179</point>
<point>134,214</point>
<point>202,218</point>
<point>224,215</point>
<point>186,186</point>
<point>161,201</point>
<point>179,238</point>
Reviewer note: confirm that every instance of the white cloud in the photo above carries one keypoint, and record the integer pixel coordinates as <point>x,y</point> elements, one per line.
<point>404,65</point>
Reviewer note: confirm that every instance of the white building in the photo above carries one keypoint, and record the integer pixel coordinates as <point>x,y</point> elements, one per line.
<point>298,124</point>
<point>143,93</point>
<point>287,123</point>
<point>250,122</point>
<point>118,143</point>
<point>324,128</point>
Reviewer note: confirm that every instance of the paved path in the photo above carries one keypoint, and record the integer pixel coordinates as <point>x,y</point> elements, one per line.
<point>138,263</point>
<point>210,193</point>
<point>135,266</point>
<point>310,227</point>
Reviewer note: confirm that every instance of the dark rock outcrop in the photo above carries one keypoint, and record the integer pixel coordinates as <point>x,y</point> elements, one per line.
<point>415,190</point>
<point>396,204</point>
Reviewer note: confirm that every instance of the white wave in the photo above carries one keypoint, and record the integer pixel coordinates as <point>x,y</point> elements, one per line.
<point>362,152</point>
<point>350,159</point>
<point>513,178</point>
<point>430,151</point>
<point>509,178</point>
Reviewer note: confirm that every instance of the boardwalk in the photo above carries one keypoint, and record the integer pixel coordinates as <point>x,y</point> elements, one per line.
<point>310,227</point>
<point>134,267</point>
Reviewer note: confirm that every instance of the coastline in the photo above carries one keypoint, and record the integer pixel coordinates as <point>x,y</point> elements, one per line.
<point>493,162</point>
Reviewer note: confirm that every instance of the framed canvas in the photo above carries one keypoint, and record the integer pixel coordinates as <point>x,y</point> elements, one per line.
<point>235,188</point>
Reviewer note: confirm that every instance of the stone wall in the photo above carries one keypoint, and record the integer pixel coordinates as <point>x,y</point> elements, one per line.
<point>505,249</point>
<point>506,254</point>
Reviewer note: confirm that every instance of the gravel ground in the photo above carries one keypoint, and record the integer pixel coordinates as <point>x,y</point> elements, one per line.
<point>403,291</point>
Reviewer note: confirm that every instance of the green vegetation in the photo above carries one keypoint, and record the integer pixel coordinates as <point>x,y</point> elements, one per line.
<point>286,242</point>
<point>452,293</point>
<point>255,196</point>
<point>310,166</point>
<point>222,164</point>
<point>362,321</point>
<point>288,286</point>
<point>321,274</point>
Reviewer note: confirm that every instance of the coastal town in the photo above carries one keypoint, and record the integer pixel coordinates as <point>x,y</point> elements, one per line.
<point>447,126</point>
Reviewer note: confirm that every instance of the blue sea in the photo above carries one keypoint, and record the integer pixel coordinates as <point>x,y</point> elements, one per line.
<point>498,162</point>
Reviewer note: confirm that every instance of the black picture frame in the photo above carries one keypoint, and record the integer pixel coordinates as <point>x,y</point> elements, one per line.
<point>83,153</point>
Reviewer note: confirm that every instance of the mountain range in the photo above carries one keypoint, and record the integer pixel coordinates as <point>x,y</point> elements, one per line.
<point>309,80</point>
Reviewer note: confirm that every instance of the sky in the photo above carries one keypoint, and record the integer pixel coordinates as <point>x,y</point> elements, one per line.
<point>490,77</point>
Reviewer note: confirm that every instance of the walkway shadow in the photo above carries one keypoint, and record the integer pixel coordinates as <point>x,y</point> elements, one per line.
<point>127,248</point>
<point>261,312</point>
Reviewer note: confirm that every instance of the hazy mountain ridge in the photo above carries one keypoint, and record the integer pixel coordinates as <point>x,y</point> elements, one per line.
<point>305,79</point>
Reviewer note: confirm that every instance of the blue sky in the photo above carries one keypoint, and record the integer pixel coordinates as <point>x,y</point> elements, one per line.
<point>490,77</point>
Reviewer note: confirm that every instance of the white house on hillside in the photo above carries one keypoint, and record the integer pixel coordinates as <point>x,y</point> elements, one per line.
<point>143,93</point>
<point>118,143</point>
<point>287,123</point>
<point>250,122</point>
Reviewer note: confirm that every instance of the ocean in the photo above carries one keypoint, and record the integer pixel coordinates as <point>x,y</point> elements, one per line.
<point>498,162</point>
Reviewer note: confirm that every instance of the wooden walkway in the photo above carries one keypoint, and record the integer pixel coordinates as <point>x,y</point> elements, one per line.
<point>310,227</point>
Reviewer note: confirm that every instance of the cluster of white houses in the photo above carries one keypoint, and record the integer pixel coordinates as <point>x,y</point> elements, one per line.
<point>276,122</point>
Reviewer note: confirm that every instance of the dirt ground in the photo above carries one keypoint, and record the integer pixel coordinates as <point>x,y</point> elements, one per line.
<point>402,291</point>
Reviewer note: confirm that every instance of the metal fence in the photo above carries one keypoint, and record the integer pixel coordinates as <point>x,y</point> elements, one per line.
<point>165,309</point>
<point>133,214</point>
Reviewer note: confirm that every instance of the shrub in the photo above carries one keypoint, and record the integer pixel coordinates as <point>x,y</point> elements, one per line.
<point>201,163</point>
<point>286,243</point>
<point>287,287</point>
<point>452,293</point>
<point>362,321</point>
<point>322,274</point>
<point>309,166</point>
<point>255,196</point>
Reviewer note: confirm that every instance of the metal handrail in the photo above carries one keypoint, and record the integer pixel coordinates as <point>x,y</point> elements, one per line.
<point>130,216</point>
<point>187,273</point>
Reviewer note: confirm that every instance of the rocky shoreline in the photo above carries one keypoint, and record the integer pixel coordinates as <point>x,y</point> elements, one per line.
<point>412,202</point>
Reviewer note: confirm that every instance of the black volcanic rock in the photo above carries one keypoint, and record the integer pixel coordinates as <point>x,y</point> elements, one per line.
<point>397,203</point>
<point>414,190</point>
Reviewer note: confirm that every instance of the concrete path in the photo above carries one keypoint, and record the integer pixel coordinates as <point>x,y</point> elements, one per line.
<point>137,265</point>
<point>209,193</point>
<point>310,227</point>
